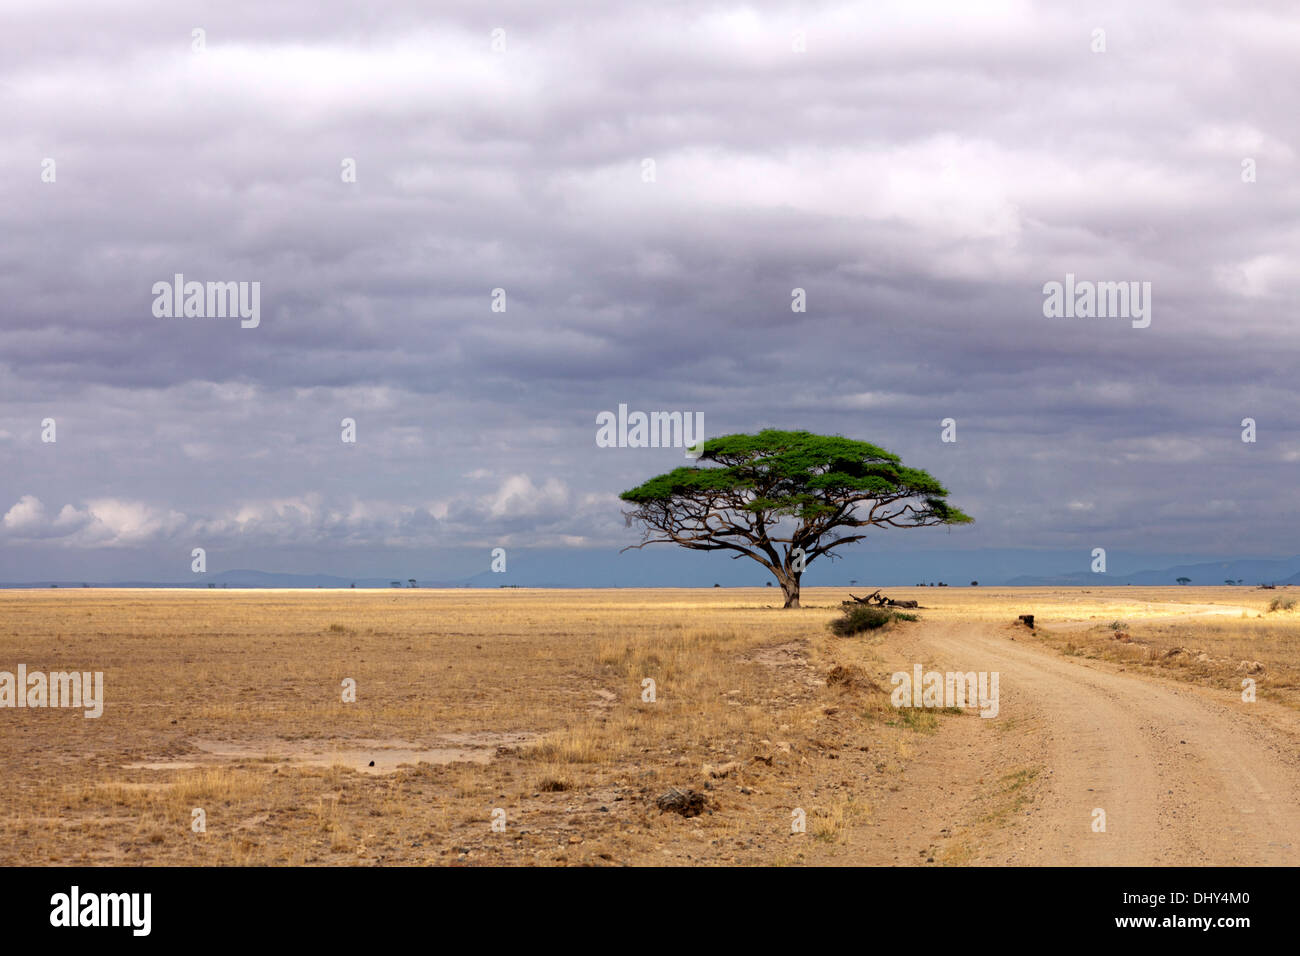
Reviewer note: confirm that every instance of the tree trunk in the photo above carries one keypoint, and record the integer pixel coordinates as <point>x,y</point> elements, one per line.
<point>790,588</point>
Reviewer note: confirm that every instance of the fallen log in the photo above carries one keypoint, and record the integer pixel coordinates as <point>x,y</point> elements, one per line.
<point>869,598</point>
<point>876,599</point>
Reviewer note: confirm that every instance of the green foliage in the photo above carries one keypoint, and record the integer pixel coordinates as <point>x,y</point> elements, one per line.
<point>799,474</point>
<point>861,618</point>
<point>917,719</point>
<point>785,499</point>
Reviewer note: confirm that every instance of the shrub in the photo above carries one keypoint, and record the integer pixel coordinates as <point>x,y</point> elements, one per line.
<point>861,618</point>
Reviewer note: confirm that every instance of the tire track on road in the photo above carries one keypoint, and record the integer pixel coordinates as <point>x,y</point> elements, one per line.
<point>1185,775</point>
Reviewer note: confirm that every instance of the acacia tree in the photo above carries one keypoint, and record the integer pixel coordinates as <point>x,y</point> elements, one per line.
<point>784,499</point>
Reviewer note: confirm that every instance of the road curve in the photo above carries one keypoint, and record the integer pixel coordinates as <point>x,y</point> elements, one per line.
<point>1186,775</point>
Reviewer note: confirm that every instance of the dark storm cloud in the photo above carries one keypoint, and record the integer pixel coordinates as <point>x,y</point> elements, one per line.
<point>921,171</point>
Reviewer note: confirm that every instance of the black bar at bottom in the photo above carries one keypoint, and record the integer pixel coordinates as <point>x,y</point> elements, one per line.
<point>217,905</point>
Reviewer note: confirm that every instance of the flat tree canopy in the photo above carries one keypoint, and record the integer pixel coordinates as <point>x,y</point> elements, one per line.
<point>784,499</point>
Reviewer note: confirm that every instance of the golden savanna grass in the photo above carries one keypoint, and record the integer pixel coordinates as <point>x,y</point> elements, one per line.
<point>1217,637</point>
<point>527,701</point>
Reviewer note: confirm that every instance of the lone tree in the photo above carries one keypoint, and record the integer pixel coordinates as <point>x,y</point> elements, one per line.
<point>784,499</point>
<point>1183,580</point>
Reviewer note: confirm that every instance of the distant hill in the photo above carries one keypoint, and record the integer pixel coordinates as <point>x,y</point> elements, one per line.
<point>246,578</point>
<point>269,579</point>
<point>1248,571</point>
<point>673,567</point>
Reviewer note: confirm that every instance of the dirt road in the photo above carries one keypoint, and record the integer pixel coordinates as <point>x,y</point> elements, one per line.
<point>1185,775</point>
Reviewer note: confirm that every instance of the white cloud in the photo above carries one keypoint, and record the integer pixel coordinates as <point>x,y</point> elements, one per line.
<point>27,515</point>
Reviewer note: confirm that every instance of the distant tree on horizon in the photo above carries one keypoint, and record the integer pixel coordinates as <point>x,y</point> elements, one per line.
<point>785,498</point>
<point>1183,580</point>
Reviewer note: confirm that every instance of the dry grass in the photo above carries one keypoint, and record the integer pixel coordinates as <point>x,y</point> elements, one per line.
<point>1220,647</point>
<point>1197,634</point>
<point>256,674</point>
<point>742,712</point>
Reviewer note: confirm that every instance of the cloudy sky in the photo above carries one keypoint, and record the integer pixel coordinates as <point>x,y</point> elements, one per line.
<point>920,169</point>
